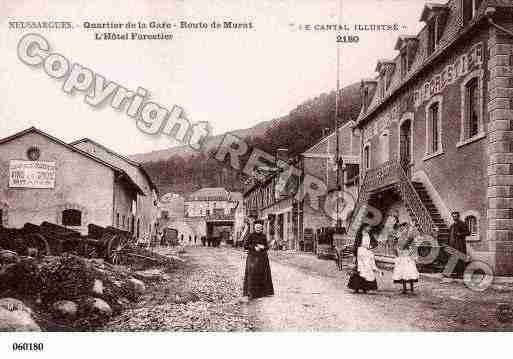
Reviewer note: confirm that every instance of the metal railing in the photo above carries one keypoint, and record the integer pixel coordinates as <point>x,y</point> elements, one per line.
<point>411,197</point>
<point>392,173</point>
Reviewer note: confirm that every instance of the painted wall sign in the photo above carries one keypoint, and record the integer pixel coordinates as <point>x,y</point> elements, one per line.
<point>382,122</point>
<point>463,65</point>
<point>31,174</point>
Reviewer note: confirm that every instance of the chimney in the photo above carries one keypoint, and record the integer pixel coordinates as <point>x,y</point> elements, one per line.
<point>367,88</point>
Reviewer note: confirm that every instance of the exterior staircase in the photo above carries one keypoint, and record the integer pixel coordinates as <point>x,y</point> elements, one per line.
<point>443,230</point>
<point>422,210</point>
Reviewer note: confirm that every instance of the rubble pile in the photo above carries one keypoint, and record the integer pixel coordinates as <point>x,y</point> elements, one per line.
<point>66,292</point>
<point>198,297</point>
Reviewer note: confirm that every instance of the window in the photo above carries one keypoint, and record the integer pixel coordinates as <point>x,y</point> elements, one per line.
<point>365,98</point>
<point>384,147</point>
<point>434,34</point>
<point>138,227</point>
<point>366,157</point>
<point>472,128</point>
<point>382,88</point>
<point>434,127</point>
<point>471,219</point>
<point>123,222</point>
<point>470,8</point>
<point>434,124</point>
<point>472,108</point>
<point>117,220</point>
<point>471,222</point>
<point>134,207</point>
<point>404,63</point>
<point>72,217</point>
<point>1,218</point>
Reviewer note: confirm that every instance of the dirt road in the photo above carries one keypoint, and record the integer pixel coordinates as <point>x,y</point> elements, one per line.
<point>310,295</point>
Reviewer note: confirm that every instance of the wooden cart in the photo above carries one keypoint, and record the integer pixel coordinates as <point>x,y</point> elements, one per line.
<point>52,239</point>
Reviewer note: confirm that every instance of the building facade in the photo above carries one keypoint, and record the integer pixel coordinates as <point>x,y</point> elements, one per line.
<point>144,211</point>
<point>45,179</point>
<point>319,161</point>
<point>216,210</point>
<point>286,214</point>
<point>437,134</point>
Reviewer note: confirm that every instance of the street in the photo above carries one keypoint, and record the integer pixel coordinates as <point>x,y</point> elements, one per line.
<point>310,295</point>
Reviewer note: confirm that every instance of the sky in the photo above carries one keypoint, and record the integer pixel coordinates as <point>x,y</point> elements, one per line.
<point>232,79</point>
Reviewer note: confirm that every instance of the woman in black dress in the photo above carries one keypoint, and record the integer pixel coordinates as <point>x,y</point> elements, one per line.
<point>257,277</point>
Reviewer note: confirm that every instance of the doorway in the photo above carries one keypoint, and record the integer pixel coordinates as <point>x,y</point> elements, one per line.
<point>405,148</point>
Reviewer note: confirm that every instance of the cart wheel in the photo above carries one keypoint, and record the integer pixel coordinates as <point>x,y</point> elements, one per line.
<point>90,251</point>
<point>36,245</point>
<point>115,247</point>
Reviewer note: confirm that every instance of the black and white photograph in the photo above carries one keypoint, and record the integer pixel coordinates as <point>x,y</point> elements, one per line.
<point>222,169</point>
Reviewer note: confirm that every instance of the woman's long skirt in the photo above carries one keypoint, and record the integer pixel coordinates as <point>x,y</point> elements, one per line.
<point>257,277</point>
<point>357,282</point>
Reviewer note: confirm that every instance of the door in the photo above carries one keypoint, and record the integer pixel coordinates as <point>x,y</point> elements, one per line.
<point>405,146</point>
<point>384,147</point>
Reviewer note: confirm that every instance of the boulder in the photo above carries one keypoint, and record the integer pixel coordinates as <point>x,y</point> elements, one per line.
<point>8,257</point>
<point>186,297</point>
<point>12,305</point>
<point>17,321</point>
<point>98,306</point>
<point>153,274</point>
<point>135,287</point>
<point>65,309</point>
<point>97,287</point>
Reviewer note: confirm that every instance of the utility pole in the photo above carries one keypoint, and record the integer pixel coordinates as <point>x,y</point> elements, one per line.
<point>337,135</point>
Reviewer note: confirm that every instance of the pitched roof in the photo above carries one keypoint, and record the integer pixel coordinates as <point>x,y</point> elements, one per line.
<point>454,29</point>
<point>121,172</point>
<point>316,147</point>
<point>124,158</point>
<point>210,194</point>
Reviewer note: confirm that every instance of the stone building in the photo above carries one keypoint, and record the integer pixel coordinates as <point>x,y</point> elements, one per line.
<point>437,133</point>
<point>215,211</point>
<point>172,206</point>
<point>286,214</point>
<point>45,179</point>
<point>319,161</point>
<point>145,210</point>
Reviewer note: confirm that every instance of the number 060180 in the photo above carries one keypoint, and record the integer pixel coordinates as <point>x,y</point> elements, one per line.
<point>28,347</point>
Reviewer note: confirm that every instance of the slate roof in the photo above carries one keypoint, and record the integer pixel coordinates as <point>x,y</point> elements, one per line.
<point>454,28</point>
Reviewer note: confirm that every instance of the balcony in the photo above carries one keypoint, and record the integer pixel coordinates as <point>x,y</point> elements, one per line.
<point>381,177</point>
<point>391,175</point>
<point>219,215</point>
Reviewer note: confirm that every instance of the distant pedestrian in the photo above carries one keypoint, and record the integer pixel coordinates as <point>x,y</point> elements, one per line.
<point>458,232</point>
<point>363,278</point>
<point>405,269</point>
<point>257,277</point>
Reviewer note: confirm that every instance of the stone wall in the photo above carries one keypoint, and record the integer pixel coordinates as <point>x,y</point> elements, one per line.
<point>500,138</point>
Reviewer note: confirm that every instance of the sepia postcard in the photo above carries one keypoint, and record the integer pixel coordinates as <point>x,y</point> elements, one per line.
<point>217,167</point>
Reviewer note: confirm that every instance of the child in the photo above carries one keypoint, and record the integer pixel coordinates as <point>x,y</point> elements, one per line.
<point>405,269</point>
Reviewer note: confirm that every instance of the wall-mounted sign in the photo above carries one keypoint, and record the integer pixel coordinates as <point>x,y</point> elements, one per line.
<point>463,65</point>
<point>31,174</point>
